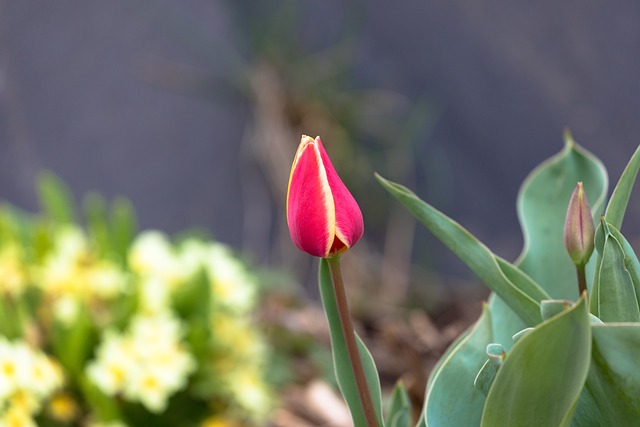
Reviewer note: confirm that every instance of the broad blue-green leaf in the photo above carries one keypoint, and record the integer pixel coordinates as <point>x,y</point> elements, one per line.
<point>55,198</point>
<point>542,207</point>
<point>614,215</point>
<point>399,410</point>
<point>451,399</point>
<point>524,299</point>
<point>541,379</point>
<point>505,323</point>
<point>488,372</point>
<point>610,396</point>
<point>617,205</point>
<point>550,308</point>
<point>593,290</point>
<point>344,373</point>
<point>616,291</point>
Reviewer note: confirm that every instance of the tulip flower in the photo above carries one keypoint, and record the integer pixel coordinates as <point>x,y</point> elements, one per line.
<point>323,217</point>
<point>324,221</point>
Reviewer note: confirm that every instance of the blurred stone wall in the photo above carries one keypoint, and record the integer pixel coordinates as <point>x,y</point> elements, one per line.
<point>76,98</point>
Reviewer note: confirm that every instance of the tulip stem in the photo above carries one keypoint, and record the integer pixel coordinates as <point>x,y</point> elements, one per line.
<point>582,279</point>
<point>350,340</point>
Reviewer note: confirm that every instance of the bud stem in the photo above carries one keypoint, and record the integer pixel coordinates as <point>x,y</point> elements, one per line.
<point>350,339</point>
<point>582,279</point>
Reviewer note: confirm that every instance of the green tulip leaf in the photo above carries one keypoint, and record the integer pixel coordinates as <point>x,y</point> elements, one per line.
<point>521,333</point>
<point>523,297</point>
<point>610,396</point>
<point>342,366</point>
<point>541,379</point>
<point>451,398</point>
<point>614,215</point>
<point>618,279</point>
<point>617,205</point>
<point>542,208</point>
<point>550,308</point>
<point>399,409</point>
<point>487,374</point>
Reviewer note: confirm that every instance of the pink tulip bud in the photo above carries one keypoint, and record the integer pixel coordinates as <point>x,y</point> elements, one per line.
<point>579,230</point>
<point>324,218</point>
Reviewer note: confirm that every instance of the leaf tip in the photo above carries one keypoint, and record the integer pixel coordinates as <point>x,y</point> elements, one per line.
<point>569,142</point>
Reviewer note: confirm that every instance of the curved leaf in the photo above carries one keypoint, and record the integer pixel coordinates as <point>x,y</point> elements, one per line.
<point>616,297</point>
<point>542,207</point>
<point>541,379</point>
<point>617,205</point>
<point>610,396</point>
<point>399,410</point>
<point>344,374</point>
<point>524,299</point>
<point>451,399</point>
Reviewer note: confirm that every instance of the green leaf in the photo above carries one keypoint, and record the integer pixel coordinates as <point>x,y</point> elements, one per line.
<point>550,308</point>
<point>124,226</point>
<point>451,398</point>
<point>620,197</point>
<point>617,279</point>
<point>399,410</point>
<point>610,396</point>
<point>95,210</point>
<point>488,372</point>
<point>614,215</point>
<point>524,298</point>
<point>541,379</point>
<point>542,207</point>
<point>73,343</point>
<point>505,323</point>
<point>542,204</point>
<point>344,373</point>
<point>103,407</point>
<point>56,199</point>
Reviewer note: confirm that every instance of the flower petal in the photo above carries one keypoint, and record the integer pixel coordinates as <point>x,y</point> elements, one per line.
<point>310,206</point>
<point>349,225</point>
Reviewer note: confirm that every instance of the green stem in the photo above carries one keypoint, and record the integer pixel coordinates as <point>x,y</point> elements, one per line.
<point>350,340</point>
<point>582,279</point>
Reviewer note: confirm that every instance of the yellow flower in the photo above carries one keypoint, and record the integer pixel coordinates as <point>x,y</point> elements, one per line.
<point>15,417</point>
<point>218,422</point>
<point>13,277</point>
<point>147,363</point>
<point>63,408</point>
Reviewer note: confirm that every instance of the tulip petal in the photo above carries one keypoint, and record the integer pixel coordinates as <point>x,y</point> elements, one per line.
<point>310,206</point>
<point>349,225</point>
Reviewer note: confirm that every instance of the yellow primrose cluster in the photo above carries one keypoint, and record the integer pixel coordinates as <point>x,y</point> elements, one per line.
<point>71,274</point>
<point>238,357</point>
<point>123,327</point>
<point>147,363</point>
<point>28,378</point>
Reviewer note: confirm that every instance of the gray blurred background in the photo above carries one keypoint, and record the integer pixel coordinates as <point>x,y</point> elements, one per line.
<point>193,108</point>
